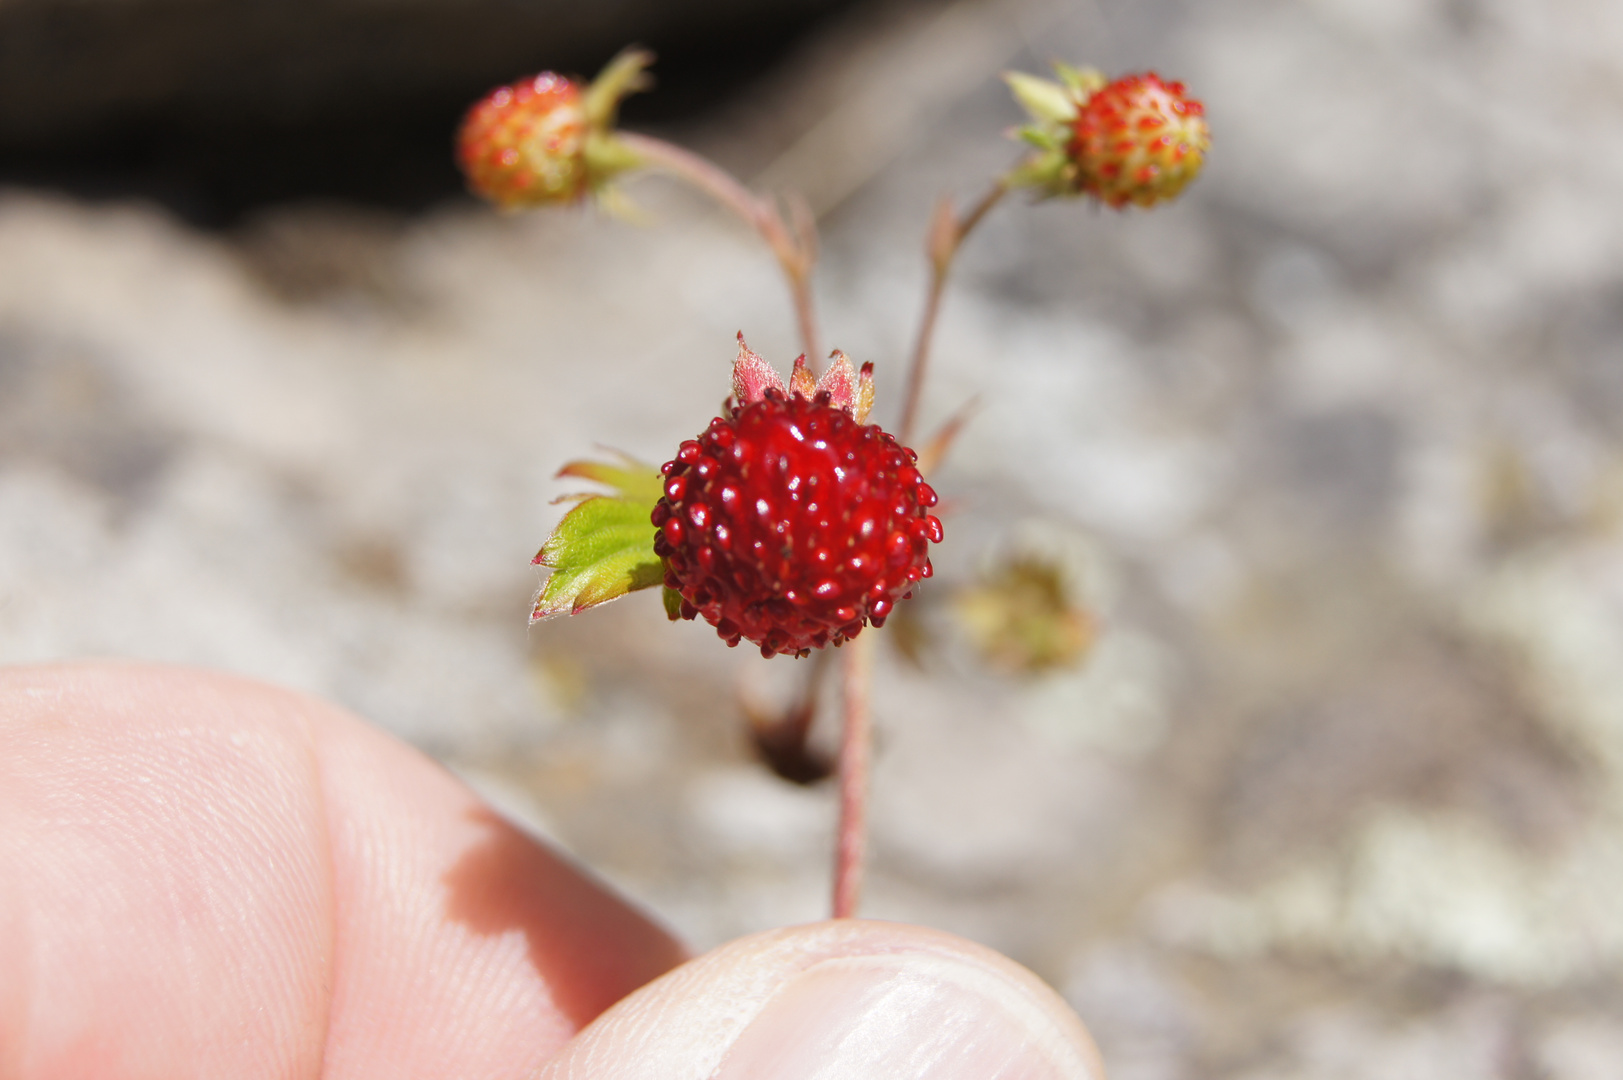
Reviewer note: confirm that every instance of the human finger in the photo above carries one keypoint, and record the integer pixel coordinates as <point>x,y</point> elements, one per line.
<point>210,877</point>
<point>842,1000</point>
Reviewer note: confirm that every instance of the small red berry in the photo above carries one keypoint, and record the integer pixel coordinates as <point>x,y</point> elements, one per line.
<point>547,140</point>
<point>789,521</point>
<point>525,144</point>
<point>1136,140</point>
<point>1139,140</point>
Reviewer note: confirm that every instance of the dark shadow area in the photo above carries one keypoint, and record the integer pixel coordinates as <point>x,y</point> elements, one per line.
<point>589,945</point>
<point>216,109</point>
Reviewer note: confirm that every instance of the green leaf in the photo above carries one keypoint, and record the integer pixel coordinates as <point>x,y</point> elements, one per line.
<point>604,546</point>
<point>631,479</point>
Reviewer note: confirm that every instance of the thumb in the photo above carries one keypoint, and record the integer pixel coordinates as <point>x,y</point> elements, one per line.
<point>844,1000</point>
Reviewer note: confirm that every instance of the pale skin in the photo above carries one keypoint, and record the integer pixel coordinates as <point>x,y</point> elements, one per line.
<point>202,876</point>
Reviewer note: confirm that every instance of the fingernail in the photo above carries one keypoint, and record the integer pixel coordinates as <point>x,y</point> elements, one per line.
<point>903,1018</point>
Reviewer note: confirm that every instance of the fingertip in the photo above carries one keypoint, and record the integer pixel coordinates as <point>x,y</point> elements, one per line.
<point>850,999</point>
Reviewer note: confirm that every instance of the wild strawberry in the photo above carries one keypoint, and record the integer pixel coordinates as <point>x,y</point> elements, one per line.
<point>525,144</point>
<point>547,139</point>
<point>1136,140</point>
<point>790,521</point>
<point>1139,140</point>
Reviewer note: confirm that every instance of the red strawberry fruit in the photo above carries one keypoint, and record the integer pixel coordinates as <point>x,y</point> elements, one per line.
<point>547,139</point>
<point>1136,140</point>
<point>790,521</point>
<point>525,144</point>
<point>1139,140</point>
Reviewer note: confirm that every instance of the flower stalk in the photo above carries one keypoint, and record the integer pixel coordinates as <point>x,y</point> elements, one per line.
<point>794,242</point>
<point>856,751</point>
<point>947,233</point>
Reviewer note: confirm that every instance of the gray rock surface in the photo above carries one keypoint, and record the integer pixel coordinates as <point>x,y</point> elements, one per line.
<point>1337,442</point>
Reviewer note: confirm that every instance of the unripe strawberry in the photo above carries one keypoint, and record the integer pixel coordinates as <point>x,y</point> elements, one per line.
<point>525,144</point>
<point>1139,140</point>
<point>546,139</point>
<point>1136,140</point>
<point>789,521</point>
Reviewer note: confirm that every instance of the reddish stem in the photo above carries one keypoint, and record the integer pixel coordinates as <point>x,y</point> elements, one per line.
<point>946,236</point>
<point>796,249</point>
<point>855,742</point>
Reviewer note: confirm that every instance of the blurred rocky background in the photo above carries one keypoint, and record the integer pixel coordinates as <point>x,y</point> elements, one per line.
<point>1330,454</point>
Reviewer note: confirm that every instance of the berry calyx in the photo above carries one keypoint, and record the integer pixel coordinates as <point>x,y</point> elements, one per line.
<point>547,139</point>
<point>1136,140</point>
<point>789,521</point>
<point>1139,140</point>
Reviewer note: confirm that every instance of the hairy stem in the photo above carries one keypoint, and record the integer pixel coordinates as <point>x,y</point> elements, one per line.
<point>796,249</point>
<point>947,234</point>
<point>795,244</point>
<point>855,744</point>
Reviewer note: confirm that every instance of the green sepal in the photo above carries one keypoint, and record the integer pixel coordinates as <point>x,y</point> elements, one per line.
<point>1041,138</point>
<point>624,75</point>
<point>673,604</point>
<point>604,547</point>
<point>612,202</point>
<point>1046,101</point>
<point>607,157</point>
<point>1048,174</point>
<point>1083,83</point>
